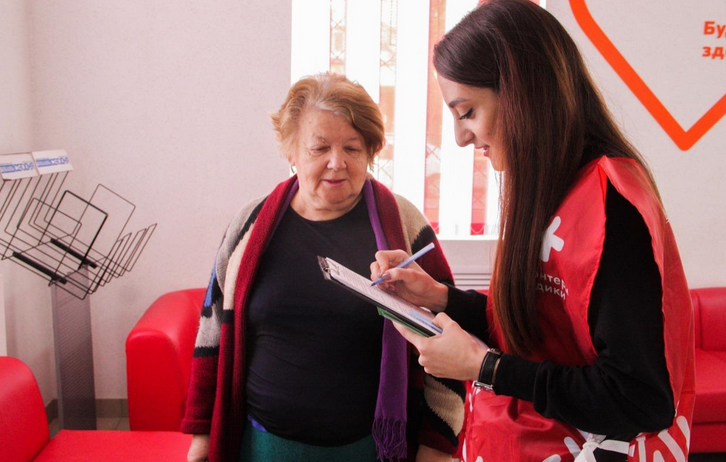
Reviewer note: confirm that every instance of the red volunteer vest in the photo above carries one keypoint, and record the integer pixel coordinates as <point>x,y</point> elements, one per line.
<point>504,429</point>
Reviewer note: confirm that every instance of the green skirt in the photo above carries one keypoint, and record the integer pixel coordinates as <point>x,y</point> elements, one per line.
<point>260,446</point>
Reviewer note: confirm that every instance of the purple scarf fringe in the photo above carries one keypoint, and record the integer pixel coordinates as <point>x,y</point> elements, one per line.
<point>390,438</point>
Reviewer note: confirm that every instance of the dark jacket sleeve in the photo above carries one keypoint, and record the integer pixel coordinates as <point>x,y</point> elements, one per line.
<point>627,390</point>
<point>468,309</point>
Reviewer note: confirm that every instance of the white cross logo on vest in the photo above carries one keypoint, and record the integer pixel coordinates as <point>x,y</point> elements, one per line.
<point>551,241</point>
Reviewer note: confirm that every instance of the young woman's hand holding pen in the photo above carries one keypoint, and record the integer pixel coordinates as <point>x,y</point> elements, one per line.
<point>411,283</point>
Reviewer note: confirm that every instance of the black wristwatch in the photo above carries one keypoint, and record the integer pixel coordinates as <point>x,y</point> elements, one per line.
<point>488,369</point>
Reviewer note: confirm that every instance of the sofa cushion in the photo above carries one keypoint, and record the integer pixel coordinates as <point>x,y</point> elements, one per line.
<point>708,437</point>
<point>112,446</point>
<point>159,353</point>
<point>711,320</point>
<point>696,318</point>
<point>710,386</point>
<point>23,424</point>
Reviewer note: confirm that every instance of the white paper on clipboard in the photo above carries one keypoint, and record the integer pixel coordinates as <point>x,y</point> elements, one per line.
<point>418,318</point>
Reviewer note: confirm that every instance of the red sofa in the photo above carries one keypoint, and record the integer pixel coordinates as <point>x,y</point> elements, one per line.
<point>709,415</point>
<point>159,361</point>
<point>24,434</point>
<point>158,358</point>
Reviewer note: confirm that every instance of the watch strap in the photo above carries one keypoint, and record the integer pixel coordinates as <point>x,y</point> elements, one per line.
<point>488,369</point>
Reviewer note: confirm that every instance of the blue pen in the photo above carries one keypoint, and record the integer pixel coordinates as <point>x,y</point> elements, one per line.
<point>409,260</point>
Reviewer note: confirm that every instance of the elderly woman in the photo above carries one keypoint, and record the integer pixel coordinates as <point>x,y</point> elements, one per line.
<point>288,366</point>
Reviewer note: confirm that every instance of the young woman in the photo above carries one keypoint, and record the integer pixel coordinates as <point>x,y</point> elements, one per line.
<point>583,349</point>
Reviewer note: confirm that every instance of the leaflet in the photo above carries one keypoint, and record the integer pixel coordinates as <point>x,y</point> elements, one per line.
<point>391,306</point>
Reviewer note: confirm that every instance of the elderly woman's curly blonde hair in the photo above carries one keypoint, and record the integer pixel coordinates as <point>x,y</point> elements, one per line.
<point>335,93</point>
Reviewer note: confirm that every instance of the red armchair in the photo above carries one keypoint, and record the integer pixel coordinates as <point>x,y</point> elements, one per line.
<point>709,414</point>
<point>159,351</point>
<point>24,435</point>
<point>158,360</point>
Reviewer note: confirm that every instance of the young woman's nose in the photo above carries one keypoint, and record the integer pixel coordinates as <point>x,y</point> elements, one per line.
<point>463,135</point>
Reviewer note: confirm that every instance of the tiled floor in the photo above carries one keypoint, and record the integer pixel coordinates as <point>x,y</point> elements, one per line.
<point>102,423</point>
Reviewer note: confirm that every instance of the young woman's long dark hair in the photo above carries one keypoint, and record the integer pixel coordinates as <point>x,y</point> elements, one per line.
<point>551,121</point>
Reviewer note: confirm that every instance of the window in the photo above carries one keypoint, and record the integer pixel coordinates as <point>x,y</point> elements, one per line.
<point>386,46</point>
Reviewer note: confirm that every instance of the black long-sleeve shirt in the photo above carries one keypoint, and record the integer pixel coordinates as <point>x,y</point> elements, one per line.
<point>627,390</point>
<point>314,349</point>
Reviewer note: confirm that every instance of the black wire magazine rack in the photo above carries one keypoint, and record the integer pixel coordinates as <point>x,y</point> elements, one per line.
<point>76,244</point>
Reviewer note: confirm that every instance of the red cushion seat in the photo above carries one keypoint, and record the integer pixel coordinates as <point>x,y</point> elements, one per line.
<point>709,413</point>
<point>710,386</point>
<point>120,446</point>
<point>24,430</point>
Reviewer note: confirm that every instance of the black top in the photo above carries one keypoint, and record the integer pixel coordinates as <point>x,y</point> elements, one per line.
<point>314,349</point>
<point>627,390</point>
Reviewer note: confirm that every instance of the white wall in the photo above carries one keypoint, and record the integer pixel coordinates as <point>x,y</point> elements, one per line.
<point>664,44</point>
<point>27,317</point>
<point>166,103</point>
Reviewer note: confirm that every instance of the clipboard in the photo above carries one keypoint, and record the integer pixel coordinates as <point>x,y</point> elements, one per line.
<point>390,306</point>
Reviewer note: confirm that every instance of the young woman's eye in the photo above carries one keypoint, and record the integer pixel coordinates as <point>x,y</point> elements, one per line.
<point>467,114</point>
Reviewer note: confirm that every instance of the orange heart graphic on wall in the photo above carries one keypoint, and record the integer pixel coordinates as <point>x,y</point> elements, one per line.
<point>684,139</point>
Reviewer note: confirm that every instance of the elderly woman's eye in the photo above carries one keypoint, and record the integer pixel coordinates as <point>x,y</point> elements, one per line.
<point>317,150</point>
<point>353,150</point>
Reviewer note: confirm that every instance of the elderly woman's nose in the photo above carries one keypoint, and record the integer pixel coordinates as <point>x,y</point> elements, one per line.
<point>337,159</point>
